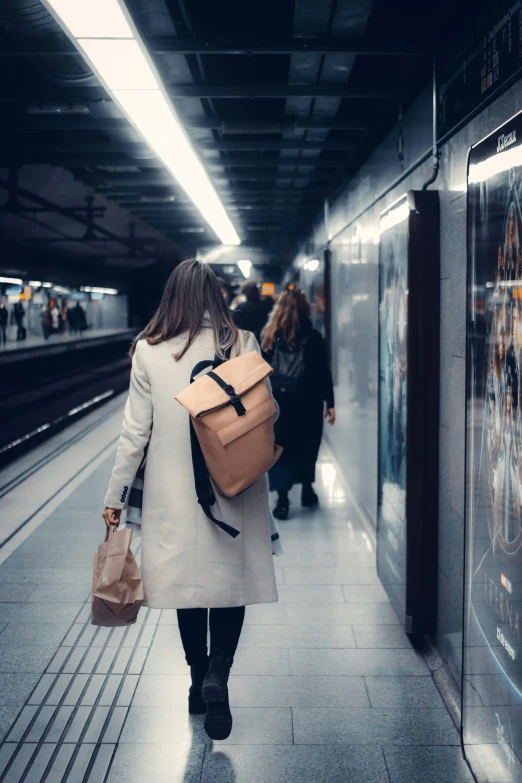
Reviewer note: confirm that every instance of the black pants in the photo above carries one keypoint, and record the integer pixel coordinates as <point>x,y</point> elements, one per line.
<point>225,630</point>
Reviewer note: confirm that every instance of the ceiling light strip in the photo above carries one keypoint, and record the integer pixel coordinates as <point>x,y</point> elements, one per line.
<point>106,36</point>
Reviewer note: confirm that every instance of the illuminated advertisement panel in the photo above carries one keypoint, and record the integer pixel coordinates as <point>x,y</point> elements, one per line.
<point>492,659</point>
<point>408,407</point>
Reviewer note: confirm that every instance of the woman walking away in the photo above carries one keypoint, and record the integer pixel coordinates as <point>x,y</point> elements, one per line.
<point>188,562</point>
<point>302,384</point>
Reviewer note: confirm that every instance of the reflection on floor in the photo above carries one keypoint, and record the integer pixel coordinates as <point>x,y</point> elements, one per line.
<point>326,686</point>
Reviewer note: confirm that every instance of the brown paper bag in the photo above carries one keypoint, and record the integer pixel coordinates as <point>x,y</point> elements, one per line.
<point>117,589</point>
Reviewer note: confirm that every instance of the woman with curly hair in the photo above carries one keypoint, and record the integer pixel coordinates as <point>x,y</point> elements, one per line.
<point>302,385</point>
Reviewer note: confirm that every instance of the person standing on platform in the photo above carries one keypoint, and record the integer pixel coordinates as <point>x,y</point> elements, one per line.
<point>252,314</point>
<point>4,317</point>
<point>55,318</point>
<point>78,318</point>
<point>19,315</point>
<point>188,562</point>
<point>303,388</point>
<point>70,320</point>
<point>47,321</point>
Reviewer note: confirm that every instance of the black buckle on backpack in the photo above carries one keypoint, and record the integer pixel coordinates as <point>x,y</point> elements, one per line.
<point>235,399</point>
<point>238,405</point>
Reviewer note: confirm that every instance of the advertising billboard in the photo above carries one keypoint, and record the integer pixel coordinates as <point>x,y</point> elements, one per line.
<point>408,406</point>
<point>492,656</point>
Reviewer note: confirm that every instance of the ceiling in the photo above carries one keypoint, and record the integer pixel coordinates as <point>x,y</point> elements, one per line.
<point>283,100</point>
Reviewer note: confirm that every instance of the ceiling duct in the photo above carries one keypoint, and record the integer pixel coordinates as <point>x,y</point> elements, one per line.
<point>30,19</point>
<point>258,127</point>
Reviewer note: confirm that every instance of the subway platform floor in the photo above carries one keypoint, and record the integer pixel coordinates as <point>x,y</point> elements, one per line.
<point>326,687</point>
<point>57,339</point>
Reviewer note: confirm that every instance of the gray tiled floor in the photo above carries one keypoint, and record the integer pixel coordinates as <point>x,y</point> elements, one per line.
<point>326,687</point>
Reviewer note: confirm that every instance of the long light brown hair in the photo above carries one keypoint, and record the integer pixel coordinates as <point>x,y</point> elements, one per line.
<point>192,293</point>
<point>285,318</point>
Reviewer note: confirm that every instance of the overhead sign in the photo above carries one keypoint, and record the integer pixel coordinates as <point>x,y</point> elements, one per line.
<point>27,293</point>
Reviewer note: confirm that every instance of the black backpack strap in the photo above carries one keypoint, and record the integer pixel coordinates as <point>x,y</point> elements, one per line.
<point>202,483</point>
<point>200,366</point>
<point>235,399</point>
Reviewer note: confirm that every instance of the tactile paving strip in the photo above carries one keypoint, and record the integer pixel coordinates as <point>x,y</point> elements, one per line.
<point>68,730</point>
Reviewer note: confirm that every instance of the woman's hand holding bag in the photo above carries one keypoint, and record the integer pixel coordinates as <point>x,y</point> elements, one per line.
<point>117,588</point>
<point>112,516</point>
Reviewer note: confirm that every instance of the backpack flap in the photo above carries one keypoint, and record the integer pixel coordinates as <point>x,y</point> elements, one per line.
<point>242,373</point>
<point>234,426</point>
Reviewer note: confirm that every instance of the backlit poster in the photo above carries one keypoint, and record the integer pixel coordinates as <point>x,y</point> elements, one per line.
<point>408,405</point>
<point>393,405</point>
<point>492,660</point>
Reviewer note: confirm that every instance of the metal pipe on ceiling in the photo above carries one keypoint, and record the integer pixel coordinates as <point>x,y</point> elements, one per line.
<point>363,45</point>
<point>63,117</point>
<point>80,94</point>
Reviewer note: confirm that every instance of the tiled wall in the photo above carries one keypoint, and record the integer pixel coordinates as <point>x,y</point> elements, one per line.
<point>373,178</point>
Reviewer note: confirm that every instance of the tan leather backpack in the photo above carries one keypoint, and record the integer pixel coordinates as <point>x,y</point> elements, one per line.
<point>232,415</point>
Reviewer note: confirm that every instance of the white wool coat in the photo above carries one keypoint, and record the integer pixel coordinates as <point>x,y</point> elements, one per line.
<point>187,560</point>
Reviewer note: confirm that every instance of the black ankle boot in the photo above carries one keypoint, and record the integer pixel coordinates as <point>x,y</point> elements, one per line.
<point>281,508</point>
<point>308,496</point>
<point>218,720</point>
<point>195,699</point>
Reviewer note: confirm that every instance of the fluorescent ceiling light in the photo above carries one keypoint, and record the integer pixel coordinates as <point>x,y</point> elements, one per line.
<point>157,199</point>
<point>213,255</point>
<point>14,280</point>
<point>92,289</point>
<point>152,116</point>
<point>394,217</point>
<point>245,267</point>
<point>126,70</point>
<point>312,265</point>
<point>47,285</point>
<point>57,108</point>
<point>35,283</point>
<point>122,63</point>
<point>366,234</point>
<point>495,164</point>
<point>92,18</point>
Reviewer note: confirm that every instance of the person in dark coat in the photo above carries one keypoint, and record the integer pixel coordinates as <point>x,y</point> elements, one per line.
<point>252,314</point>
<point>303,388</point>
<point>47,321</point>
<point>4,317</point>
<point>19,315</point>
<point>79,321</point>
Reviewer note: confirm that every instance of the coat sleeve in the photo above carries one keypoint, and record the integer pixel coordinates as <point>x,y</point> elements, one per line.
<point>135,434</point>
